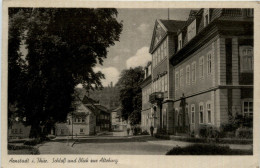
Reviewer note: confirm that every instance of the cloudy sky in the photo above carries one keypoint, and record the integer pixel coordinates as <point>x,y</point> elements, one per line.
<point>135,39</point>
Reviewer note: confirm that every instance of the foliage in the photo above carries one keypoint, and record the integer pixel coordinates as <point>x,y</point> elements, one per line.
<point>145,132</point>
<point>131,94</point>
<point>64,45</point>
<point>22,149</point>
<point>208,131</point>
<point>246,133</point>
<point>207,149</point>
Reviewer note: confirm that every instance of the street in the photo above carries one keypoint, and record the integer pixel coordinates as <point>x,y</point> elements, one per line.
<point>108,144</point>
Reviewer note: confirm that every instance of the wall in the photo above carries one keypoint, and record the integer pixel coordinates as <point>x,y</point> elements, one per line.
<point>18,130</point>
<point>200,84</point>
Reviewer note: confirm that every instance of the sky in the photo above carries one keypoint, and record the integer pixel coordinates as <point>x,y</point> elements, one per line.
<point>135,39</point>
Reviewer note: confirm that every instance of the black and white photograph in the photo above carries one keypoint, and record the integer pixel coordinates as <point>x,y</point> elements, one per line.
<point>129,81</point>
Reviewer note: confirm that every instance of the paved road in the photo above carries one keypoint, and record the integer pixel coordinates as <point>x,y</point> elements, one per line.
<point>115,145</point>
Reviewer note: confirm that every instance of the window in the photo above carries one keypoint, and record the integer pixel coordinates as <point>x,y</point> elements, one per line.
<point>81,130</point>
<point>192,113</point>
<point>192,30</point>
<point>201,67</point>
<point>162,53</point>
<point>246,58</point>
<point>21,131</point>
<point>165,47</point>
<point>180,41</point>
<point>206,16</point>
<point>158,55</point>
<point>187,74</point>
<point>250,12</point>
<point>248,108</point>
<point>201,113</point>
<point>209,65</point>
<point>181,78</point>
<point>159,85</point>
<point>193,72</point>
<point>209,112</point>
<point>177,80</point>
<point>79,120</point>
<point>162,80</point>
<point>165,83</point>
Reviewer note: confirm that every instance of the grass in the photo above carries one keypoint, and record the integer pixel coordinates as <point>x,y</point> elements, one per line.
<point>207,149</point>
<point>22,149</point>
<point>24,152</point>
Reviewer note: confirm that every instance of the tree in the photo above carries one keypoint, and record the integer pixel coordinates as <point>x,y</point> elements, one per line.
<point>131,94</point>
<point>64,45</point>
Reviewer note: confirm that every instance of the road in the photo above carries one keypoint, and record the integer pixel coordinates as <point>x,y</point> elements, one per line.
<point>116,144</point>
<point>106,144</point>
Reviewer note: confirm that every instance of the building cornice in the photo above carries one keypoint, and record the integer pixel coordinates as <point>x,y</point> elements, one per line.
<point>146,81</point>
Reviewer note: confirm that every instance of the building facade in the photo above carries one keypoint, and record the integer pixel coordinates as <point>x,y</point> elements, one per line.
<point>210,74</point>
<point>88,118</point>
<point>213,69</point>
<point>117,121</point>
<point>159,114</point>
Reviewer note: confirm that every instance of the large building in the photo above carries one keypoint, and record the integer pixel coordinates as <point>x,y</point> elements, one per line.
<point>159,77</point>
<point>210,70</point>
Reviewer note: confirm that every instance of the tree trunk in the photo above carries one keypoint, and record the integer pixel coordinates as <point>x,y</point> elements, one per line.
<point>35,131</point>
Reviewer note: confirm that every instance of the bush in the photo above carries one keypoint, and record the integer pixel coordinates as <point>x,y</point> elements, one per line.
<point>246,133</point>
<point>207,149</point>
<point>22,149</point>
<point>208,131</point>
<point>32,142</point>
<point>51,136</point>
<point>18,147</point>
<point>145,133</point>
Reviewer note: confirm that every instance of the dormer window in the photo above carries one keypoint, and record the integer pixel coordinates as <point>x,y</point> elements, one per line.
<point>179,41</point>
<point>206,16</point>
<point>192,30</point>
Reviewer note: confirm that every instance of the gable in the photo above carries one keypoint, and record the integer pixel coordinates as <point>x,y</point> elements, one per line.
<point>81,108</point>
<point>158,33</point>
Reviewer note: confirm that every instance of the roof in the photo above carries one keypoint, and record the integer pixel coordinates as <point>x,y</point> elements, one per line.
<point>79,114</point>
<point>102,108</point>
<point>118,110</point>
<point>87,100</point>
<point>172,25</point>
